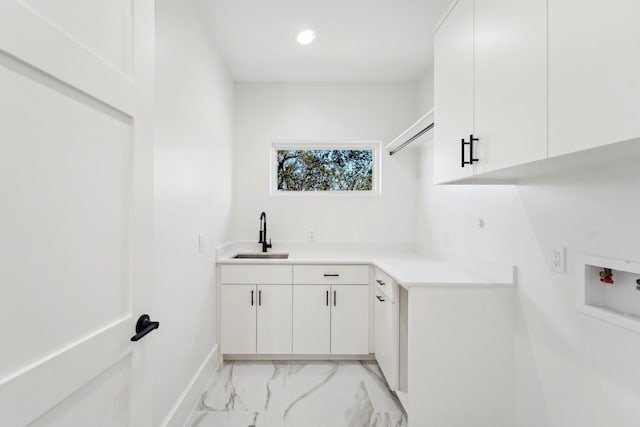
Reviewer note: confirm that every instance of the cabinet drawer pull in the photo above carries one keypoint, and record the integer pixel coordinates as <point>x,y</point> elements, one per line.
<point>251,297</point>
<point>331,275</point>
<point>327,298</point>
<point>380,298</point>
<point>380,282</point>
<point>334,298</point>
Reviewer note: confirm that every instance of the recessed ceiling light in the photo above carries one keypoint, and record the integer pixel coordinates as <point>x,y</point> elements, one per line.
<point>306,36</point>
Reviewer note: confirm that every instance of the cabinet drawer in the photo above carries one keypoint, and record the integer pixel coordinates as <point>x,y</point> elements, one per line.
<point>386,285</point>
<point>255,274</point>
<point>332,274</point>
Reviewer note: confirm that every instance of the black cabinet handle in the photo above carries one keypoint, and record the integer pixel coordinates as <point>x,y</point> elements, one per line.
<point>331,275</point>
<point>327,298</point>
<point>334,298</point>
<point>144,325</point>
<point>470,144</point>
<point>380,298</point>
<point>380,282</point>
<point>252,297</point>
<point>259,297</point>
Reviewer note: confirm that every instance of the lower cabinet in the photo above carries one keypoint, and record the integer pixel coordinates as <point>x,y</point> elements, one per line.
<point>350,319</point>
<point>238,319</point>
<point>311,319</point>
<point>330,319</point>
<point>256,319</point>
<point>325,311</point>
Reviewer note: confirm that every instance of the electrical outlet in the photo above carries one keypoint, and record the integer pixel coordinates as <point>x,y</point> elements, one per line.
<point>557,259</point>
<point>310,236</point>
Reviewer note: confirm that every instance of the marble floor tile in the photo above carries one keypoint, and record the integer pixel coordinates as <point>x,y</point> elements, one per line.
<point>246,386</point>
<point>298,394</point>
<point>235,419</point>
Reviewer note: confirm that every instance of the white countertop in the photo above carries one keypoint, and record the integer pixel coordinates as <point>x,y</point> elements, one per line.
<point>407,267</point>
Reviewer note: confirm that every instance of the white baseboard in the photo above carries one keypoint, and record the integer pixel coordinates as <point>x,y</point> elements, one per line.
<point>189,398</point>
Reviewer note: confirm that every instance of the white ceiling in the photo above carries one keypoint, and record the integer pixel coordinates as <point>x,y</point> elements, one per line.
<point>357,40</point>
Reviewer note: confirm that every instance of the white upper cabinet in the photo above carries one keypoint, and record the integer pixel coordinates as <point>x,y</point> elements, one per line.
<point>510,113</point>
<point>490,82</point>
<point>594,73</point>
<point>453,91</point>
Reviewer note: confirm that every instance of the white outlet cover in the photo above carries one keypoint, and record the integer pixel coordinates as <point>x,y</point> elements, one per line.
<point>557,259</point>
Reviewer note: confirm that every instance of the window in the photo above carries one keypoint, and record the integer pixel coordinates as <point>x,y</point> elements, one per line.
<point>323,168</point>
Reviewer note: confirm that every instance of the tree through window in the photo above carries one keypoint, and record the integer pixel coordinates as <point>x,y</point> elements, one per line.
<point>325,169</point>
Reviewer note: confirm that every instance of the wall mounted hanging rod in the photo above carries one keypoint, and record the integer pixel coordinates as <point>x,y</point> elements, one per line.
<point>413,138</point>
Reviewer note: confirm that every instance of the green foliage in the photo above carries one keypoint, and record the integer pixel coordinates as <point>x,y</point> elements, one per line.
<point>325,170</point>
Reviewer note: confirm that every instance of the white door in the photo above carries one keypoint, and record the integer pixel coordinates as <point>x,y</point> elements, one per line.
<point>453,92</point>
<point>274,319</point>
<point>350,319</point>
<point>75,211</point>
<point>311,319</point>
<point>510,82</point>
<point>239,304</point>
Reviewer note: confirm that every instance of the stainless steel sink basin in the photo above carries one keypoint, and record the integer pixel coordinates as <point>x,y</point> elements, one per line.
<point>261,256</point>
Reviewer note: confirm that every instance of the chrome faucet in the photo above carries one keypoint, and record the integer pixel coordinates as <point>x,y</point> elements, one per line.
<point>263,232</point>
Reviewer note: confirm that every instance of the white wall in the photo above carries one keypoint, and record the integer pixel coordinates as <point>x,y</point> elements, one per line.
<point>571,369</point>
<point>271,111</point>
<point>193,147</point>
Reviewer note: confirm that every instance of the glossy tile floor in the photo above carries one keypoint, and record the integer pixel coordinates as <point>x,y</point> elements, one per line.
<point>300,394</point>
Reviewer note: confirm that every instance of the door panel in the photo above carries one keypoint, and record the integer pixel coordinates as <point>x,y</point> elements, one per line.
<point>510,82</point>
<point>274,319</point>
<point>311,319</point>
<point>76,184</point>
<point>453,92</point>
<point>350,319</point>
<point>105,27</point>
<point>593,102</point>
<point>386,346</point>
<point>67,188</point>
<point>107,406</point>
<point>27,36</point>
<point>239,305</point>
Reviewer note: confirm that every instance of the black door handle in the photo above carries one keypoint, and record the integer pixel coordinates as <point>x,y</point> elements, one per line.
<point>144,326</point>
<point>259,297</point>
<point>331,275</point>
<point>334,298</point>
<point>470,144</point>
<point>380,298</point>
<point>380,282</point>
<point>251,297</point>
<point>327,298</point>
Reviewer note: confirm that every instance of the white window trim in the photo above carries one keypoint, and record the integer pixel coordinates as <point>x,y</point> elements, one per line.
<point>376,146</point>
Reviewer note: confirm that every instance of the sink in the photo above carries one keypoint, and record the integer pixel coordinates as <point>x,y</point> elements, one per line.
<point>260,256</point>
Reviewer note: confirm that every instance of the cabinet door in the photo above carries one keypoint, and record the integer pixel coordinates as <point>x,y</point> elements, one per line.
<point>274,319</point>
<point>386,344</point>
<point>238,319</point>
<point>510,88</point>
<point>311,319</point>
<point>453,92</point>
<point>349,319</point>
<point>594,70</point>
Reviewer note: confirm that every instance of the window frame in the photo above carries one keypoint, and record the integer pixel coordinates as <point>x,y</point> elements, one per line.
<point>376,146</point>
